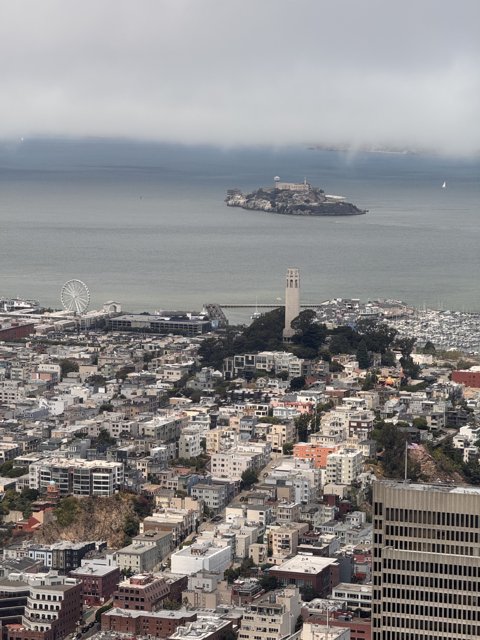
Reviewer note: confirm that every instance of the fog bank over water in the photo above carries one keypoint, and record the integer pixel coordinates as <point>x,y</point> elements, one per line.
<point>244,72</point>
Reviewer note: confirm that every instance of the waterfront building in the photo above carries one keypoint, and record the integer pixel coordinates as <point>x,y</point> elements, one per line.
<point>426,562</point>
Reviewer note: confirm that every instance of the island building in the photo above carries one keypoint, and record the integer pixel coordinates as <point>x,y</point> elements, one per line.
<point>292,301</point>
<point>426,562</point>
<point>302,187</point>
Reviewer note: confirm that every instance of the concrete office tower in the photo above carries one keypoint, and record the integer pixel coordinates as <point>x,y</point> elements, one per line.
<point>426,562</point>
<point>292,301</point>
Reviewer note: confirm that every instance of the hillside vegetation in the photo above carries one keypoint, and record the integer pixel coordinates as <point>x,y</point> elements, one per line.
<point>112,519</point>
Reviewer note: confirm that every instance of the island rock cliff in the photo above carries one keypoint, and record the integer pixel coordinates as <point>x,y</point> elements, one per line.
<point>293,199</point>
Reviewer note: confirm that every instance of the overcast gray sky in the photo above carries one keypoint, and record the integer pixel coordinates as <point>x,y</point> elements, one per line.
<point>244,71</point>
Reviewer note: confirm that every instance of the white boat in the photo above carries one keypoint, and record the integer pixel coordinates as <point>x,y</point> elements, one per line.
<point>256,314</point>
<point>444,185</point>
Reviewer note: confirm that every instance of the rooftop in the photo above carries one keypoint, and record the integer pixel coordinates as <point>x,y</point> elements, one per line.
<point>305,564</point>
<point>163,613</point>
<point>440,488</point>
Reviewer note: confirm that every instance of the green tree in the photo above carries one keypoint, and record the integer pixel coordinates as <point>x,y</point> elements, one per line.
<point>369,382</point>
<point>392,441</point>
<point>249,477</point>
<point>309,334</point>
<point>389,359</point>
<point>66,511</point>
<point>268,582</point>
<point>265,333</point>
<point>363,357</point>
<point>420,423</point>
<point>302,424</point>
<point>308,593</point>
<point>287,449</point>
<point>429,348</point>
<point>123,372</point>
<point>405,346</point>
<point>343,339</point>
<point>68,366</point>
<point>378,335</point>
<point>297,383</point>
<point>96,380</point>
<point>105,439</point>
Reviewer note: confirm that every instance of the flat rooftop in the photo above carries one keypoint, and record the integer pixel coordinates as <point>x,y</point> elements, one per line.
<point>354,587</point>
<point>92,570</point>
<point>439,488</point>
<point>164,613</point>
<point>304,564</point>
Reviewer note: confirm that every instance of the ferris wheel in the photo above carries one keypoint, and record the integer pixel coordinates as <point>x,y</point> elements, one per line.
<point>75,296</point>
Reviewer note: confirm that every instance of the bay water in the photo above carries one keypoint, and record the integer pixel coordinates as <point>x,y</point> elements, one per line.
<point>146,225</point>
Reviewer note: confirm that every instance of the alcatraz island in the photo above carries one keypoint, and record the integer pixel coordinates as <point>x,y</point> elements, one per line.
<point>295,199</point>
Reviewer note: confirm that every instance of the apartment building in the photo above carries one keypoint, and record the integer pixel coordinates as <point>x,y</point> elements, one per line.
<point>271,616</point>
<point>426,562</point>
<point>145,553</point>
<point>231,464</point>
<point>50,605</point>
<point>77,477</point>
<point>179,522</point>
<point>189,443</point>
<point>204,555</point>
<point>99,581</point>
<point>318,573</point>
<point>343,466</point>
<point>154,624</point>
<point>215,495</point>
<point>314,452</point>
<point>141,592</point>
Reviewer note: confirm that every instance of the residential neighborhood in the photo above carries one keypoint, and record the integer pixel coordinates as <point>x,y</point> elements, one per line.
<point>161,485</point>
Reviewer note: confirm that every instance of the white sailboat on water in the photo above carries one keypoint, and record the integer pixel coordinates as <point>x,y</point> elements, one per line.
<point>444,185</point>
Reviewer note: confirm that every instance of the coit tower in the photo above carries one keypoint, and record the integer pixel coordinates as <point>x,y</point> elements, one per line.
<point>292,301</point>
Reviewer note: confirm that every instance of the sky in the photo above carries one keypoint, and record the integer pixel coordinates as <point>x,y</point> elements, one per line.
<point>244,72</point>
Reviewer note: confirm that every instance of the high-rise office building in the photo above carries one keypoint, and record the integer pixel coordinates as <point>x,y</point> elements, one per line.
<point>426,562</point>
<point>292,301</point>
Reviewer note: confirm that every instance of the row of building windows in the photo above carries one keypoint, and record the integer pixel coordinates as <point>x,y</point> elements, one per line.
<point>464,520</point>
<point>439,626</point>
<point>455,535</point>
<point>437,612</point>
<point>431,583</point>
<point>428,547</point>
<point>431,567</point>
<point>444,597</point>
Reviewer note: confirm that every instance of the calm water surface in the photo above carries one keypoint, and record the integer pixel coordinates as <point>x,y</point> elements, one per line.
<point>146,225</point>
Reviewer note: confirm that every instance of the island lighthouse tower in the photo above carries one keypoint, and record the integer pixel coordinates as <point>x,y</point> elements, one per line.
<point>292,301</point>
